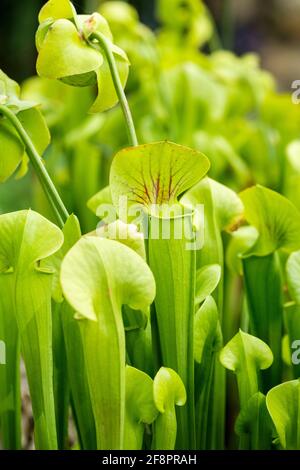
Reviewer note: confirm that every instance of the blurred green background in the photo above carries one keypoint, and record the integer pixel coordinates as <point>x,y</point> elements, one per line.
<point>18,23</point>
<point>269,28</point>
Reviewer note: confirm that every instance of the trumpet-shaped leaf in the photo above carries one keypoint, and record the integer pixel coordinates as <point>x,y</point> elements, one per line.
<point>77,377</point>
<point>22,248</point>
<point>64,54</point>
<point>254,425</point>
<point>98,277</point>
<point>169,391</point>
<point>138,333</point>
<point>283,405</point>
<point>276,219</point>
<point>154,174</point>
<point>149,179</point>
<point>140,407</point>
<point>246,355</point>
<point>222,210</point>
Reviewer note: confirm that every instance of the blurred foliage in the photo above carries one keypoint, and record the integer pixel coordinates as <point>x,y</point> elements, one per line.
<point>181,87</point>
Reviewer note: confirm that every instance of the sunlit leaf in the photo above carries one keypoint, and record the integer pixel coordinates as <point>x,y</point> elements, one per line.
<point>154,174</point>
<point>207,279</point>
<point>245,355</point>
<point>168,392</point>
<point>140,407</point>
<point>23,246</point>
<point>283,405</point>
<point>64,54</point>
<point>125,279</point>
<point>293,276</point>
<point>276,219</point>
<point>254,425</point>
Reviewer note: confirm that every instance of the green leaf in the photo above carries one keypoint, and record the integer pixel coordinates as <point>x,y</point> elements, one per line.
<point>292,321</point>
<point>228,206</point>
<point>90,24</point>
<point>240,242</point>
<point>168,390</point>
<point>61,387</point>
<point>23,245</point>
<point>64,54</point>
<point>245,355</point>
<point>174,268</point>
<point>207,279</point>
<point>276,219</point>
<point>207,343</point>
<point>140,407</point>
<point>13,150</point>
<point>212,252</point>
<point>138,332</point>
<point>254,425</point>
<point>124,279</point>
<point>10,390</point>
<point>156,173</point>
<point>34,123</point>
<point>55,10</point>
<point>264,293</point>
<point>102,198</point>
<point>107,96</point>
<point>10,94</point>
<point>77,377</point>
<point>126,234</point>
<point>283,405</point>
<point>293,276</point>
<point>139,347</point>
<point>207,337</point>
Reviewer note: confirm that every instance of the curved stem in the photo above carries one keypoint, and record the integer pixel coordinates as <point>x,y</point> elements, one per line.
<point>104,43</point>
<point>61,221</point>
<point>53,197</point>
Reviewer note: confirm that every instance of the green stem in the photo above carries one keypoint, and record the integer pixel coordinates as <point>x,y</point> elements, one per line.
<point>51,192</point>
<point>104,43</point>
<point>59,219</point>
